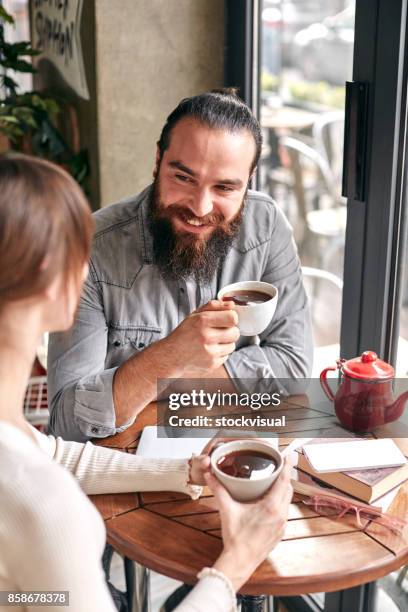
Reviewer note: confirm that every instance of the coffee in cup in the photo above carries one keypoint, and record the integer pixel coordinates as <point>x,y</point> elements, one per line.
<point>255,303</point>
<point>246,468</point>
<point>250,464</point>
<point>246,298</point>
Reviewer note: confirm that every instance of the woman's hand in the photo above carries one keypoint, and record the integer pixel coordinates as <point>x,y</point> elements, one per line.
<point>198,467</point>
<point>251,530</point>
<point>201,463</point>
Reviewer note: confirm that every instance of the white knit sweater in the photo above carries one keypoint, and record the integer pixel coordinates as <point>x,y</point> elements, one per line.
<point>51,535</point>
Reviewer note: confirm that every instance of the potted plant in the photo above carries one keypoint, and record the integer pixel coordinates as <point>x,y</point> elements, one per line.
<point>29,122</point>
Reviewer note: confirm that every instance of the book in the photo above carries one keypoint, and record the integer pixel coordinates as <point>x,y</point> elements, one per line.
<point>367,485</point>
<point>156,446</point>
<point>304,484</point>
<point>347,456</point>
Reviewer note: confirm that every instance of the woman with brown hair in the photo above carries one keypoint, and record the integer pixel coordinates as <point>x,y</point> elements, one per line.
<point>51,536</point>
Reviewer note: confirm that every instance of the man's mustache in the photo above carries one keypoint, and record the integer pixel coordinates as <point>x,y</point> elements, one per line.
<point>175,210</point>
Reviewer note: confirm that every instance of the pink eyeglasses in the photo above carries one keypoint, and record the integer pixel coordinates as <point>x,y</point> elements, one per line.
<point>334,507</point>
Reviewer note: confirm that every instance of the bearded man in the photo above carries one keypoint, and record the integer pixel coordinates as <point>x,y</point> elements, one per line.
<point>148,309</point>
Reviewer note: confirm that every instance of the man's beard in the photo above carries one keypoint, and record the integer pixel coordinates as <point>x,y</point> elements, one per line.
<point>180,255</point>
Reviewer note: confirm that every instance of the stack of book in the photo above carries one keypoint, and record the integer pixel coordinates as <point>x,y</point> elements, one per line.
<point>364,484</point>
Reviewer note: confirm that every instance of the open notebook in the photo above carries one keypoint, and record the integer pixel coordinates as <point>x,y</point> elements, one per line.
<point>155,447</point>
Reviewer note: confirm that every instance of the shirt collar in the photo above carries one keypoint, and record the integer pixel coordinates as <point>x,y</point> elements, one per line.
<point>145,233</point>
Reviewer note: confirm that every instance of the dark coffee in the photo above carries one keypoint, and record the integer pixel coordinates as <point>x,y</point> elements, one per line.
<point>244,297</point>
<point>249,464</point>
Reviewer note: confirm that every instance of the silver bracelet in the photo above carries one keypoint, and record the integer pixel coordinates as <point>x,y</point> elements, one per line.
<point>211,571</point>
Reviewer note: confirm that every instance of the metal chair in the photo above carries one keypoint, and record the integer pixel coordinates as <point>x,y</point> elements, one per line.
<point>320,208</point>
<point>324,353</point>
<point>317,273</point>
<point>328,136</point>
<point>402,575</point>
<point>36,402</point>
<point>36,398</point>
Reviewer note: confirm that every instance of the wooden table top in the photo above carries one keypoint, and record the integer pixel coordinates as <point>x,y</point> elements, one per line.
<point>176,536</point>
<point>287,118</point>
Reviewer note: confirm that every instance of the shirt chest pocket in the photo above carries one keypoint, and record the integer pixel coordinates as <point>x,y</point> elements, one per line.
<point>123,343</point>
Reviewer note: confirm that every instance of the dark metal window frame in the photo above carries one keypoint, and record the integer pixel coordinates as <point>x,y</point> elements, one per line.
<point>375,228</point>
<point>242,64</point>
<point>241,61</point>
<point>373,235</point>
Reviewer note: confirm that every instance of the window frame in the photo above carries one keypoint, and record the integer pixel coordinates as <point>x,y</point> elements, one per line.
<point>375,231</point>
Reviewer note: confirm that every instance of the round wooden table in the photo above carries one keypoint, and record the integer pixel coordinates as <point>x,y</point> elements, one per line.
<point>176,536</point>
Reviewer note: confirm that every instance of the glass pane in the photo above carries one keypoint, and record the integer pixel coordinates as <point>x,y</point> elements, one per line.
<point>19,10</point>
<point>402,354</point>
<point>306,55</point>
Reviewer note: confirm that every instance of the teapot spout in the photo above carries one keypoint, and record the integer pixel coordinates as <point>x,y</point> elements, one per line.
<point>396,409</point>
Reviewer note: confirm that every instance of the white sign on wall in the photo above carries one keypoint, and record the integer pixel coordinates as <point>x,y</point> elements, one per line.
<point>56,33</point>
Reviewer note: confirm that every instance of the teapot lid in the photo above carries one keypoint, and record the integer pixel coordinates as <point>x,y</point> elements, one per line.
<point>368,367</point>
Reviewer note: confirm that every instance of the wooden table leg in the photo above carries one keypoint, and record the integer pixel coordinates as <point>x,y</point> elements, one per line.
<point>137,587</point>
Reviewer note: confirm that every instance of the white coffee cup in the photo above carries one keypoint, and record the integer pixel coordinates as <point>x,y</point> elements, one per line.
<point>253,318</point>
<point>244,489</point>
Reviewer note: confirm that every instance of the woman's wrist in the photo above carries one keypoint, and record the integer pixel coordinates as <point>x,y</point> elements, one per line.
<point>213,572</point>
<point>235,567</point>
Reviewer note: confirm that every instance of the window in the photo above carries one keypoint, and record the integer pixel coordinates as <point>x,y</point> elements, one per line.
<point>306,57</point>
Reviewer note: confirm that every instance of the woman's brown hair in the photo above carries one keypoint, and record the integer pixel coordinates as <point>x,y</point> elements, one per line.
<point>45,226</point>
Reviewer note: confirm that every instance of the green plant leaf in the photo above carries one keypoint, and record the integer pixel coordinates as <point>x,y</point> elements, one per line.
<point>5,16</point>
<point>9,84</point>
<point>53,107</point>
<point>37,100</point>
<point>18,66</point>
<point>9,119</point>
<point>23,47</point>
<point>26,116</point>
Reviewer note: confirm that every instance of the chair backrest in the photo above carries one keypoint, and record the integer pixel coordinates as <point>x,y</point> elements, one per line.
<point>323,274</point>
<point>328,135</point>
<point>301,152</point>
<point>301,155</point>
<point>324,292</point>
<point>36,401</point>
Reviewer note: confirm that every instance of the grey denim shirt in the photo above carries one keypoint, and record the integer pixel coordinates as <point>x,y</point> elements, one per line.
<point>126,305</point>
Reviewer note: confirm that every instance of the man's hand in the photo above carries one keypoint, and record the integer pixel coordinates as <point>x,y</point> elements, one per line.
<point>197,348</point>
<point>205,339</point>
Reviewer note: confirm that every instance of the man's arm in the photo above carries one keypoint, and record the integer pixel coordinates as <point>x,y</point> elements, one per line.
<point>87,400</point>
<point>79,387</point>
<point>196,349</point>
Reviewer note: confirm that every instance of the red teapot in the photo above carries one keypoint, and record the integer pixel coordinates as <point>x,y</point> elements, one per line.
<point>364,399</point>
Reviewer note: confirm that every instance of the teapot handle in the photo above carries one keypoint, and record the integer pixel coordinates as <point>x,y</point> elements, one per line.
<point>325,384</point>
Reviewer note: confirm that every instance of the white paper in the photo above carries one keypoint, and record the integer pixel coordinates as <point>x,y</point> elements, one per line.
<point>354,455</point>
<point>386,500</point>
<point>168,448</point>
<point>153,447</point>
